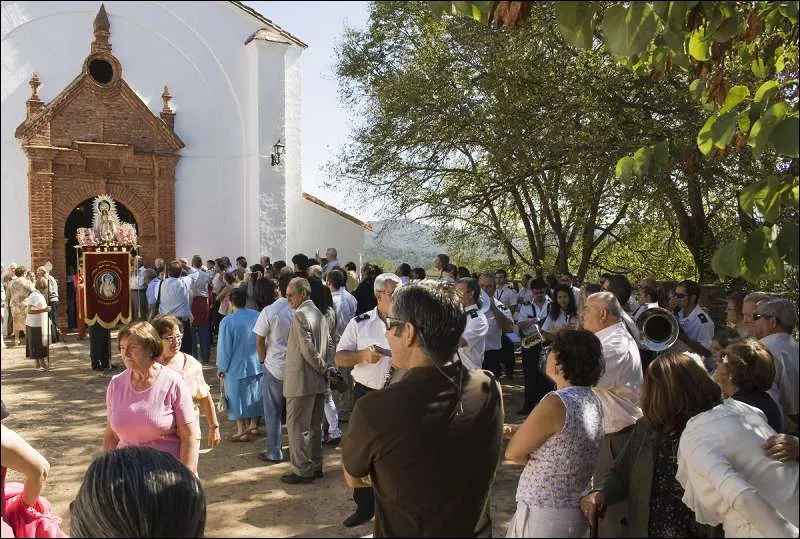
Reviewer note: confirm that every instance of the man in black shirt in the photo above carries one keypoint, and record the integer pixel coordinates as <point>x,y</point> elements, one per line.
<point>430,443</point>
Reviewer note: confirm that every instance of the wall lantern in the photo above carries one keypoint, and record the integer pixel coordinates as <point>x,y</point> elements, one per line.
<point>279,151</point>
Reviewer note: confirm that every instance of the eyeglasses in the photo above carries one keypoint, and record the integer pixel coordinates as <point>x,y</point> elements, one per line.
<point>172,339</point>
<point>759,316</point>
<point>394,322</point>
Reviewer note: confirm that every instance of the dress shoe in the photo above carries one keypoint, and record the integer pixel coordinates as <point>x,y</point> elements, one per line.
<point>294,479</point>
<point>355,520</point>
<point>333,442</point>
<point>263,456</point>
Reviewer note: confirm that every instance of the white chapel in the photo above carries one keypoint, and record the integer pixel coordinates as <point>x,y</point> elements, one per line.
<point>186,113</point>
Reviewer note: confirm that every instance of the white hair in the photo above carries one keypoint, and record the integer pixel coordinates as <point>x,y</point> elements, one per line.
<point>383,278</point>
<point>609,301</point>
<point>330,251</point>
<point>315,271</point>
<point>756,297</point>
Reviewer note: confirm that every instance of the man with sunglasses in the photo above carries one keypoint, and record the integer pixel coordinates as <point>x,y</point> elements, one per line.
<point>363,346</point>
<point>773,322</point>
<point>430,443</point>
<point>697,327</point>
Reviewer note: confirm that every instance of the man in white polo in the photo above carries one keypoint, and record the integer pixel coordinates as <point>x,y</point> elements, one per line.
<point>364,347</point>
<point>473,340</point>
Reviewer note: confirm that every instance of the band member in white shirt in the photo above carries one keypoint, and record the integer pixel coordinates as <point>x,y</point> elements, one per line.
<point>473,340</point>
<point>537,384</point>
<point>364,347</point>
<point>697,327</point>
<point>500,320</point>
<point>563,312</point>
<point>508,297</point>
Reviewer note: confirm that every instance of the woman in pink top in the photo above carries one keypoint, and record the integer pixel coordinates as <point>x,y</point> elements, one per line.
<point>149,404</point>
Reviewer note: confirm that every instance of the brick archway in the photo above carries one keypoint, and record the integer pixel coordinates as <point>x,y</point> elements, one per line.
<point>98,137</point>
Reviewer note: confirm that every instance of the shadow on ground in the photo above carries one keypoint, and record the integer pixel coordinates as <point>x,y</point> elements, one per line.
<point>62,414</point>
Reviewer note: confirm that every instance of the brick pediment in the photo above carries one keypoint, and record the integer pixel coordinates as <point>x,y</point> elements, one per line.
<point>88,112</point>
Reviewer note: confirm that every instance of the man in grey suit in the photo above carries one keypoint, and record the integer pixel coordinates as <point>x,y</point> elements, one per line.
<point>305,383</point>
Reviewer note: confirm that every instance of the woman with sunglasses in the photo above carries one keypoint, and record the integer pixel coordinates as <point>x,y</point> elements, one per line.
<point>745,371</point>
<point>170,329</point>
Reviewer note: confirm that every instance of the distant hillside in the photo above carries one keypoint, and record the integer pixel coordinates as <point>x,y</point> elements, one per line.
<point>402,241</point>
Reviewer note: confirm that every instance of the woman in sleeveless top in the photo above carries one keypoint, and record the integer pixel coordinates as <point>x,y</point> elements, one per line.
<point>559,442</point>
<point>169,329</point>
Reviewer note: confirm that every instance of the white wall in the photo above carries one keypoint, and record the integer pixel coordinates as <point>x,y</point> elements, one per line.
<point>195,48</point>
<point>321,228</point>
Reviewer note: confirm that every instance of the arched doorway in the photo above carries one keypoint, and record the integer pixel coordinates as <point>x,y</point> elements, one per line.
<point>81,217</point>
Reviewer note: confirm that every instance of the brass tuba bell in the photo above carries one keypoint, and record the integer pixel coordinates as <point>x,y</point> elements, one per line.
<point>533,339</point>
<point>658,329</point>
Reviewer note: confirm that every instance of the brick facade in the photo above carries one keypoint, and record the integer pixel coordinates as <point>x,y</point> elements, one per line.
<point>97,137</point>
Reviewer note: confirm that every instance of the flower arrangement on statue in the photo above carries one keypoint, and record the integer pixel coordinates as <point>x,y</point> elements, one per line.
<point>126,234</point>
<point>86,237</point>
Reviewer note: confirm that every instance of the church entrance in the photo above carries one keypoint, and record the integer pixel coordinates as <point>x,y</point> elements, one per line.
<point>81,217</point>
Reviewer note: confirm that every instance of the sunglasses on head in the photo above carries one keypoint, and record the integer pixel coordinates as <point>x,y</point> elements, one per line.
<point>394,322</point>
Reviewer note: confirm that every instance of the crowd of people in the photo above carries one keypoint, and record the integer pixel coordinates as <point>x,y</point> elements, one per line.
<point>697,438</point>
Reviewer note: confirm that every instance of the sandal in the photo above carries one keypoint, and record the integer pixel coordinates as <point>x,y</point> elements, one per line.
<point>243,437</point>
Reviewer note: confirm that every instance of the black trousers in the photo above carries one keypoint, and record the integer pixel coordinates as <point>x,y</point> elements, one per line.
<point>186,343</point>
<point>491,362</point>
<point>507,358</point>
<point>54,337</point>
<point>537,384</point>
<point>364,497</point>
<point>139,304</point>
<point>99,347</point>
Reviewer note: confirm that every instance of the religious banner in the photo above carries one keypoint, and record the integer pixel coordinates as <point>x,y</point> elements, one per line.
<point>107,291</point>
<point>106,266</point>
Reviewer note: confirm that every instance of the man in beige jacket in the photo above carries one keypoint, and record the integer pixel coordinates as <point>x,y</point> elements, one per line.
<point>305,383</point>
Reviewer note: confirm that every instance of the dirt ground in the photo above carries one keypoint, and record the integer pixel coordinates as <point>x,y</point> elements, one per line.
<point>62,414</point>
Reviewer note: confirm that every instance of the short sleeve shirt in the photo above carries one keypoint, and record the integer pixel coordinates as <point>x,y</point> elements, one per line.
<point>475,336</point>
<point>506,295</point>
<point>362,331</point>
<point>552,325</point>
<point>418,452</point>
<point>698,326</point>
<point>37,301</point>
<point>494,335</point>
<point>274,322</point>
<point>150,417</point>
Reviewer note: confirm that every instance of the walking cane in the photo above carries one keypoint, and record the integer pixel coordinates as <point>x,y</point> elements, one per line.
<point>593,526</point>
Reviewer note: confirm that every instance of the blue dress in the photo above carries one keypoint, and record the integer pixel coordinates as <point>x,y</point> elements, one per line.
<point>238,360</point>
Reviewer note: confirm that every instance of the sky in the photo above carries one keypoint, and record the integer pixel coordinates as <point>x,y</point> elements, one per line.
<point>326,124</point>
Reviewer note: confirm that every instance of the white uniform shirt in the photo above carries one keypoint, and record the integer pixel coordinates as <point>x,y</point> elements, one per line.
<point>720,456</point>
<point>577,293</point>
<point>345,305</point>
<point>507,296</point>
<point>494,335</point>
<point>362,331</point>
<point>152,291</point>
<point>785,388</point>
<point>552,325</point>
<point>620,387</point>
<point>529,311</point>
<point>475,335</point>
<point>200,286</point>
<point>698,326</point>
<point>273,324</point>
<point>176,296</point>
<point>641,309</point>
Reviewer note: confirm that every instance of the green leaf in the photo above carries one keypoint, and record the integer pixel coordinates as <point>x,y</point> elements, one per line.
<point>704,138</point>
<point>757,251</point>
<point>575,22</point>
<point>766,91</point>
<point>727,28</point>
<point>696,88</point>
<point>661,9</point>
<point>759,134</point>
<point>661,155</point>
<point>677,15</point>
<point>735,96</point>
<point>698,46</point>
<point>725,261</point>
<point>659,60</point>
<point>744,121</point>
<point>723,129</point>
<point>785,137</point>
<point>675,41</point>
<point>624,168</point>
<point>758,68</point>
<point>751,194</point>
<point>642,159</point>
<point>628,30</point>
<point>769,203</point>
<point>681,60</point>
<point>780,59</point>
<point>788,243</point>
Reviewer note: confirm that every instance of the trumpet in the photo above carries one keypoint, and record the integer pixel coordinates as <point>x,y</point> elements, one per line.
<point>658,329</point>
<point>534,339</point>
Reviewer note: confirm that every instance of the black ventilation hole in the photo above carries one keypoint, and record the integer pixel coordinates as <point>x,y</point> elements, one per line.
<point>101,71</point>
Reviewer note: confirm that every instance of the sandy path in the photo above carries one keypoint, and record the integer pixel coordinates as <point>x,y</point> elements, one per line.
<point>62,414</point>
